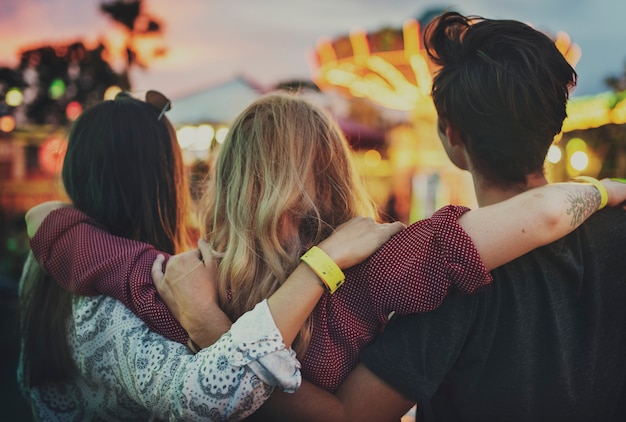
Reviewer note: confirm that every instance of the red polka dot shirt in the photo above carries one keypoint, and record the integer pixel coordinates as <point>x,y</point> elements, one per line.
<point>411,273</point>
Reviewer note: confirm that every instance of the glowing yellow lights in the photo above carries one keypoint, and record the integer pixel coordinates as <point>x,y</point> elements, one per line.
<point>372,158</point>
<point>196,138</point>
<point>186,135</point>
<point>111,92</point>
<point>576,150</point>
<point>411,34</point>
<point>220,135</point>
<point>360,46</point>
<point>579,160</point>
<point>594,111</point>
<point>7,123</point>
<point>325,51</point>
<point>575,144</point>
<point>392,73</point>
<point>14,97</point>
<point>340,77</point>
<point>554,154</point>
<point>204,137</point>
<point>422,74</point>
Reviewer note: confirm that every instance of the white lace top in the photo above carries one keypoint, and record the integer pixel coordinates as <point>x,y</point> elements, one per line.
<point>128,372</point>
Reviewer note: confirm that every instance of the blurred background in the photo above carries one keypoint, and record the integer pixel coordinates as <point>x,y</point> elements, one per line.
<point>360,59</point>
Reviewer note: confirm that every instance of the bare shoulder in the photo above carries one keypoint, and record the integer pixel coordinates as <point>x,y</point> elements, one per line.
<point>35,216</point>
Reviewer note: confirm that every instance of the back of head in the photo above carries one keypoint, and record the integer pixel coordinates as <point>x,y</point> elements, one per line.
<point>504,86</point>
<point>124,168</point>
<point>283,180</point>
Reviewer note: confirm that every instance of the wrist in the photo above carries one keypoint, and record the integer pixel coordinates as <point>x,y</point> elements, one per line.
<point>206,330</point>
<point>325,267</point>
<point>602,190</point>
<point>334,252</point>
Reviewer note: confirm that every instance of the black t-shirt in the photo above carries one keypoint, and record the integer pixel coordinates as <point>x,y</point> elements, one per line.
<point>545,342</point>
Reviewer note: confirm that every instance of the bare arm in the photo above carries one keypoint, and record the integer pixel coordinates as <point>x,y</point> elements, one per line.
<point>511,228</point>
<point>362,397</point>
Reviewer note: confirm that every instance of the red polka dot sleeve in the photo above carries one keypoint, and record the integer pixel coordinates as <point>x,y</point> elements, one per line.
<point>411,273</point>
<point>414,272</point>
<point>84,259</point>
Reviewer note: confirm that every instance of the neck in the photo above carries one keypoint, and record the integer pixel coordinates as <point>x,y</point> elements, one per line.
<point>488,193</point>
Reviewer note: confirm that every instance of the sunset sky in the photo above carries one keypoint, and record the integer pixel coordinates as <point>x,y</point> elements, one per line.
<point>268,41</point>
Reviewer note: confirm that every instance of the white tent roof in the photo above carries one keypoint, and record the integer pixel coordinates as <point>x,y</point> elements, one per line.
<point>217,104</point>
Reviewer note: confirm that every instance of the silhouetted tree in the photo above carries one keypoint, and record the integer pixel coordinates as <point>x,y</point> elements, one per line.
<point>52,76</point>
<point>138,25</point>
<point>56,75</point>
<point>617,83</point>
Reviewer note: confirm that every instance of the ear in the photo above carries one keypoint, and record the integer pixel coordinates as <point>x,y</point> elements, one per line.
<point>454,135</point>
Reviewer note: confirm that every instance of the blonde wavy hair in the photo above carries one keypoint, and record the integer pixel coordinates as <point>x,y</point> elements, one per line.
<point>282,182</point>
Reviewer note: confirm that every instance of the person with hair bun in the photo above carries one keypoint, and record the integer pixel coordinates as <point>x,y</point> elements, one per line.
<point>546,340</point>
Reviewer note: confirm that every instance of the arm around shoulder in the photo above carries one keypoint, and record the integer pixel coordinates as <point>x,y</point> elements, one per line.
<point>509,229</point>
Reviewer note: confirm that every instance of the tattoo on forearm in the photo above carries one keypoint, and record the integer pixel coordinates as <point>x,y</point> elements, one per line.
<point>581,205</point>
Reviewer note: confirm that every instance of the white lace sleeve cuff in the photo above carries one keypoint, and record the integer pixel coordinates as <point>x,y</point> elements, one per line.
<point>259,344</point>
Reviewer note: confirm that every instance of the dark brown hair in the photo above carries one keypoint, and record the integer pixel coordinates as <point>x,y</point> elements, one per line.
<point>124,169</point>
<point>504,86</point>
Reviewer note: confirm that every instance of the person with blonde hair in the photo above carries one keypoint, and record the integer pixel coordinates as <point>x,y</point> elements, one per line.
<point>284,180</point>
<point>91,358</point>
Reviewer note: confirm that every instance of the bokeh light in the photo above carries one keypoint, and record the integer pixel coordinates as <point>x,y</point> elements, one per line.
<point>372,158</point>
<point>73,110</point>
<point>579,160</point>
<point>7,123</point>
<point>56,89</point>
<point>554,154</point>
<point>203,138</point>
<point>220,135</point>
<point>111,92</point>
<point>186,135</point>
<point>14,97</point>
<point>51,155</point>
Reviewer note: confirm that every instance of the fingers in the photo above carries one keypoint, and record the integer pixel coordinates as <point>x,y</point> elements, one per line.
<point>157,269</point>
<point>395,227</point>
<point>205,250</point>
<point>357,239</point>
<point>366,226</point>
<point>207,253</point>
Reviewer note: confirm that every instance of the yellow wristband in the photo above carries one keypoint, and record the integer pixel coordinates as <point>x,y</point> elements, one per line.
<point>604,194</point>
<point>325,268</point>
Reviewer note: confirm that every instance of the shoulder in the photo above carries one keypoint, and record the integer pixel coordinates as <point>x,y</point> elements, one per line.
<point>98,319</point>
<point>35,216</point>
<point>607,219</point>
